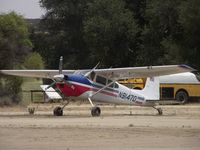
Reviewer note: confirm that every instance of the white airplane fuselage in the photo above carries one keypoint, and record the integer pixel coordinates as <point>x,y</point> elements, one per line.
<point>81,87</point>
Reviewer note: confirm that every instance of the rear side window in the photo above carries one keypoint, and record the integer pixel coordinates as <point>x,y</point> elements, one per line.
<point>116,85</point>
<point>113,85</point>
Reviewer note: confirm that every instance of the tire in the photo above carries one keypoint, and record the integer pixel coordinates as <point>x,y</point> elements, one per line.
<point>58,111</point>
<point>182,97</point>
<point>31,110</point>
<point>96,111</point>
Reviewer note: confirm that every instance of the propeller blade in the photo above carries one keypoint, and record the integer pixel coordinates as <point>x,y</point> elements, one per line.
<point>61,65</point>
<point>51,85</point>
<point>58,78</point>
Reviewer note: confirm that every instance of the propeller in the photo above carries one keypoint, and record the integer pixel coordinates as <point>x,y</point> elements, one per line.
<point>57,78</point>
<point>61,77</point>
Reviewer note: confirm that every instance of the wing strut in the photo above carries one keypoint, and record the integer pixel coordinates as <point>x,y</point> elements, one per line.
<point>101,89</point>
<point>90,101</point>
<point>89,98</point>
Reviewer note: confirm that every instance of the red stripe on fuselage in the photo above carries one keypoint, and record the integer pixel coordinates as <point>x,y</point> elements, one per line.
<point>77,90</point>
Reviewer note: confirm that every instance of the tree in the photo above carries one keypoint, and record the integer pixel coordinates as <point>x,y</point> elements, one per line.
<point>190,20</point>
<point>110,31</point>
<point>34,61</point>
<point>161,32</point>
<point>14,46</point>
<point>138,8</point>
<point>63,27</point>
<point>14,40</point>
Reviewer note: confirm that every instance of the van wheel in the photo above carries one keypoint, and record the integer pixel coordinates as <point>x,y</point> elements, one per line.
<point>182,97</point>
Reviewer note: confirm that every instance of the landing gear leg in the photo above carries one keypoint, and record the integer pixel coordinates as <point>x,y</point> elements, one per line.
<point>160,112</point>
<point>95,111</point>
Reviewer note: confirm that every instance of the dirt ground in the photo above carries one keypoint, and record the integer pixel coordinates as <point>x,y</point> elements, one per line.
<point>119,127</point>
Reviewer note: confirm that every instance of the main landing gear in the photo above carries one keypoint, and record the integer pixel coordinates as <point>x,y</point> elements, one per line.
<point>160,112</point>
<point>58,111</point>
<point>95,111</point>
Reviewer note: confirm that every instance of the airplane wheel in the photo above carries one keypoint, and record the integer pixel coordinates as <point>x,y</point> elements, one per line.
<point>31,110</point>
<point>96,111</point>
<point>58,111</point>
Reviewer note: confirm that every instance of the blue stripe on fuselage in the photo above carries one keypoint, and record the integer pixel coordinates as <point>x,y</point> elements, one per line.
<point>78,78</point>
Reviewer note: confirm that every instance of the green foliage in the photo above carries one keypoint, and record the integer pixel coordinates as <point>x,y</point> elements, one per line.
<point>10,90</point>
<point>119,32</point>
<point>34,61</point>
<point>14,40</point>
<point>190,21</point>
<point>110,32</point>
<point>14,46</point>
<point>63,32</point>
<point>162,25</point>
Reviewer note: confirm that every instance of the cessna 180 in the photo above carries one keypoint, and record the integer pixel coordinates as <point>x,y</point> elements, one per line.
<point>101,86</point>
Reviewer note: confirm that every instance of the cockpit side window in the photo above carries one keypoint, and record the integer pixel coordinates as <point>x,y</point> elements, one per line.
<point>101,80</point>
<point>105,81</point>
<point>92,75</point>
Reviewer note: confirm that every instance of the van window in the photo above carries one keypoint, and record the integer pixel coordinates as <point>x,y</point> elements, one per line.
<point>197,74</point>
<point>101,80</point>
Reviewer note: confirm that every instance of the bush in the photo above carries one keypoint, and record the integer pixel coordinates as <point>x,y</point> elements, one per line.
<point>34,61</point>
<point>10,90</point>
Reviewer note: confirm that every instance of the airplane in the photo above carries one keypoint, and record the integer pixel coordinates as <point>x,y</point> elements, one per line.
<point>101,86</point>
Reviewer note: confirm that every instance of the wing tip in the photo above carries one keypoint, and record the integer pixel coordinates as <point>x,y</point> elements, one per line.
<point>184,66</point>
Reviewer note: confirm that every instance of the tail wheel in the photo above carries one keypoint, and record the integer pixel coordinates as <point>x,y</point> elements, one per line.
<point>96,111</point>
<point>182,97</point>
<point>58,111</point>
<point>31,110</point>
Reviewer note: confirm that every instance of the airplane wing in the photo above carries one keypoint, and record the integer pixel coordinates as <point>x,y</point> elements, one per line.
<point>112,73</point>
<point>142,72</point>
<point>35,73</point>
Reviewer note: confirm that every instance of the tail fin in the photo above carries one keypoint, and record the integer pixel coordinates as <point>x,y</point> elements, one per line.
<point>151,90</point>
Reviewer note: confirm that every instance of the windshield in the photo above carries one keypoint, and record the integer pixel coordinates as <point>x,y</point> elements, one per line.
<point>197,74</point>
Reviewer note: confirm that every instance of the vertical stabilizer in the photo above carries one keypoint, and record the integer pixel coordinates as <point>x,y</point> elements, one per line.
<point>151,90</point>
